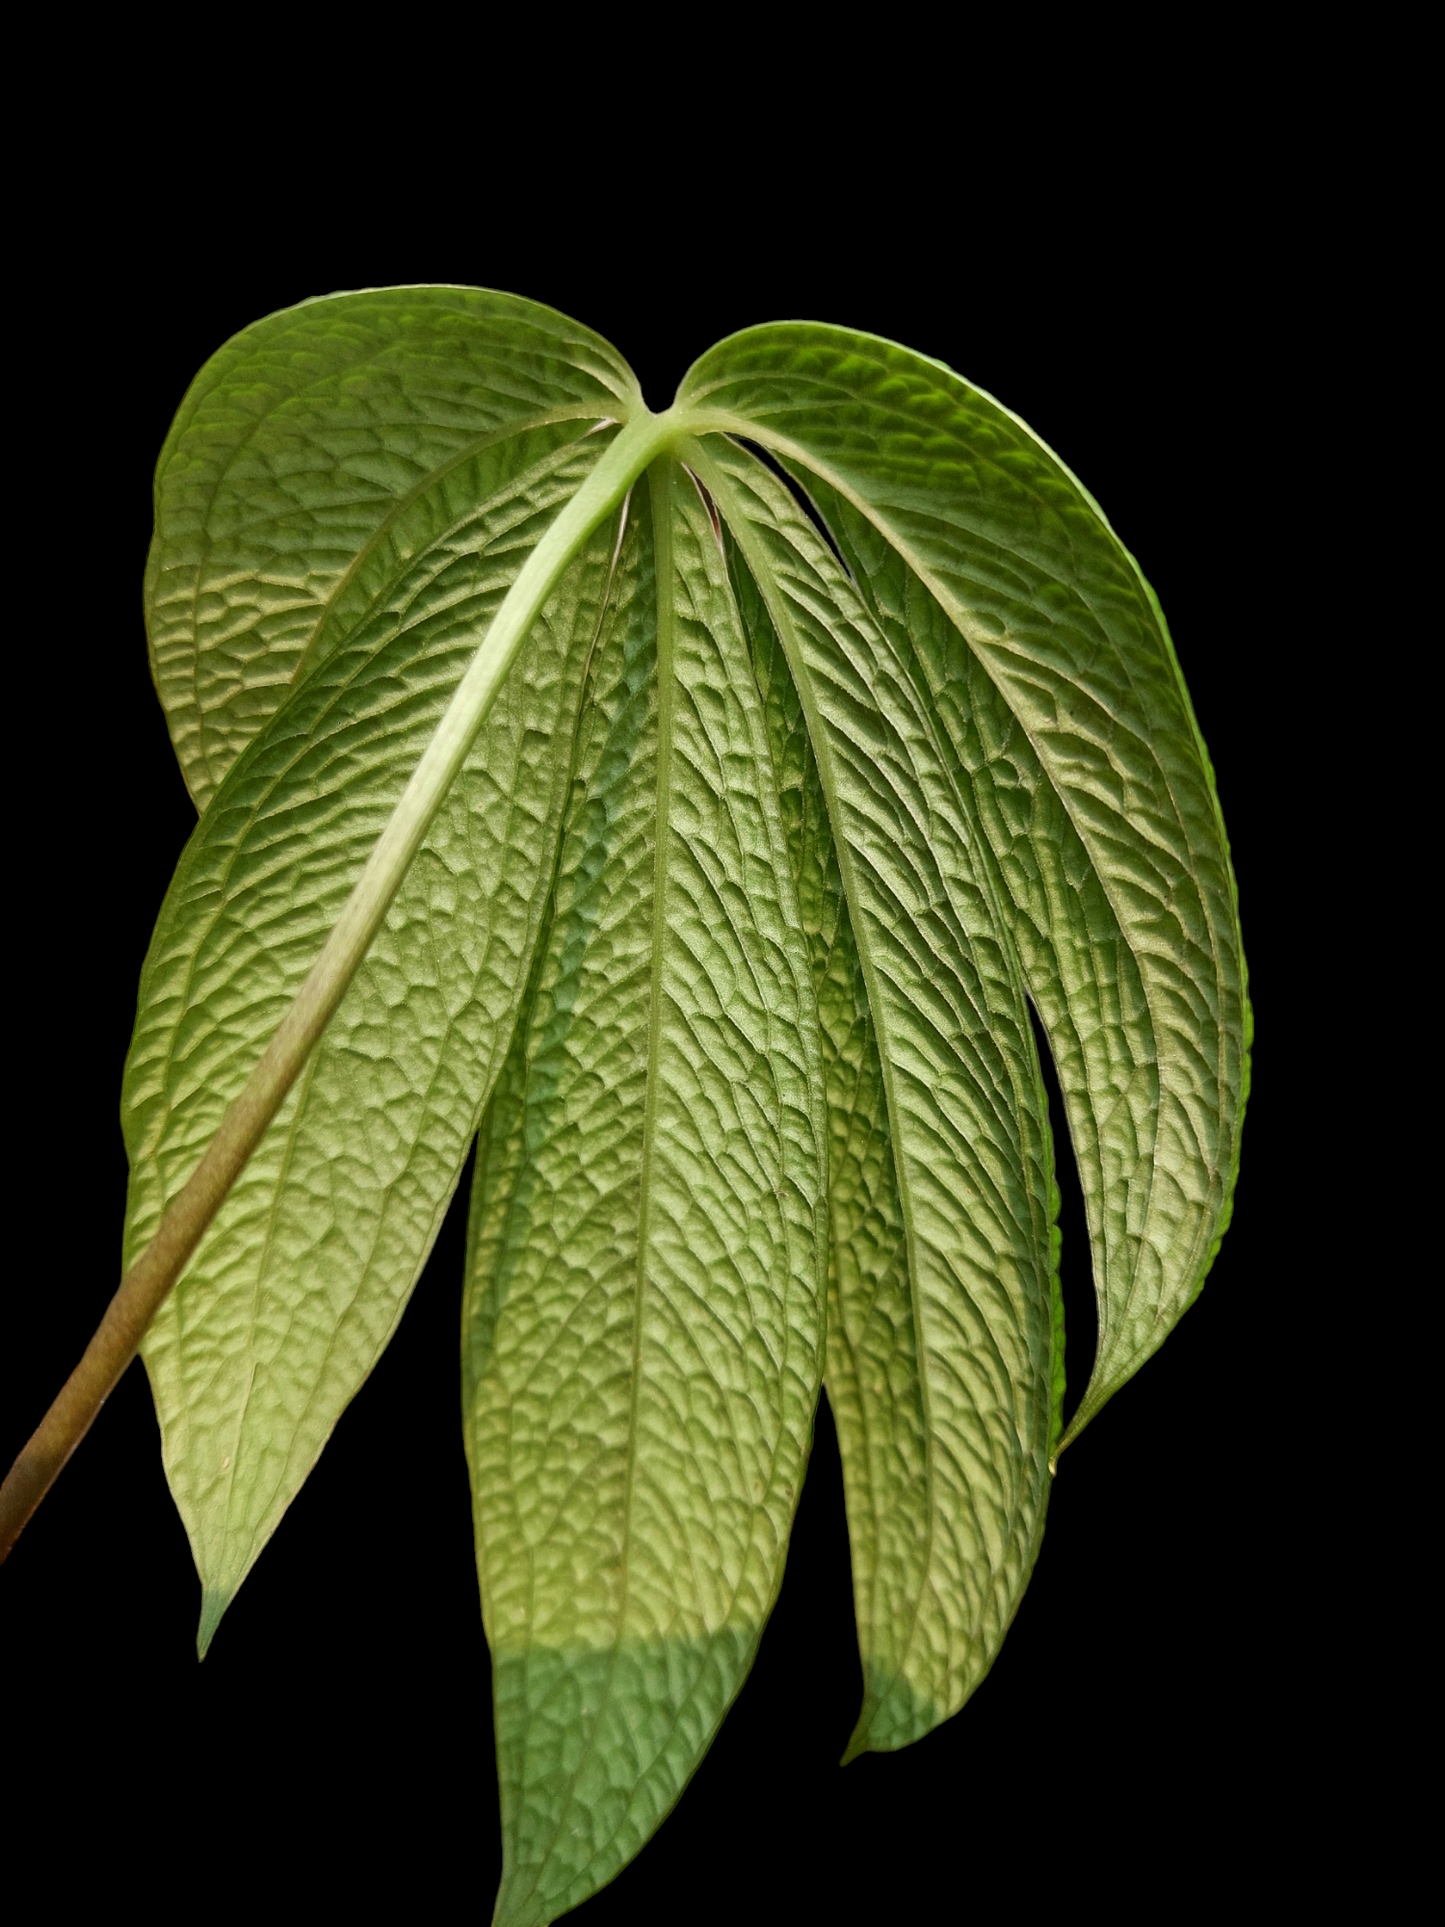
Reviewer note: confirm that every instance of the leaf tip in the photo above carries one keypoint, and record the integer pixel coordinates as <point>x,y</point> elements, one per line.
<point>858,1744</point>
<point>213,1605</point>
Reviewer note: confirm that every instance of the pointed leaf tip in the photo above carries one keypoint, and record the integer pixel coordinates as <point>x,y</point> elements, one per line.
<point>213,1606</point>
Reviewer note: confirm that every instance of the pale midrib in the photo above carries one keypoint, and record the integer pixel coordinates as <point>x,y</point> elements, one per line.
<point>720,486</point>
<point>660,492</point>
<point>149,1280</point>
<point>500,1052</point>
<point>239,841</point>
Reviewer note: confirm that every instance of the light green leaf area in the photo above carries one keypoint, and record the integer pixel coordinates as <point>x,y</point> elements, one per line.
<point>300,1281</point>
<point>804,784</point>
<point>643,1324</point>
<point>292,449</point>
<point>1044,661</point>
<point>944,1329</point>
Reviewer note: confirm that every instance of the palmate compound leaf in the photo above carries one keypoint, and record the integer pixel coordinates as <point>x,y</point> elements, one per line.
<point>725,783</point>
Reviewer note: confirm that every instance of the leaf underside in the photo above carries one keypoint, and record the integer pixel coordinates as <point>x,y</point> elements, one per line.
<point>722,946</point>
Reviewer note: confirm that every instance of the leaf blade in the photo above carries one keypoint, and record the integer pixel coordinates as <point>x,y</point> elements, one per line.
<point>643,1307</point>
<point>299,1283</point>
<point>296,444</point>
<point>1004,542</point>
<point>944,1309</point>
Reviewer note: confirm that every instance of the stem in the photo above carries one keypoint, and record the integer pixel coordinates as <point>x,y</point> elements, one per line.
<point>149,1280</point>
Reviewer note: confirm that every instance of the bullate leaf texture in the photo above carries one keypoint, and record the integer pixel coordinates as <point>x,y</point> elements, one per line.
<point>715,801</point>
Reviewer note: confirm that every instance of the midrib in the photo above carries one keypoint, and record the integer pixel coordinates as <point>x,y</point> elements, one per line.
<point>659,479</point>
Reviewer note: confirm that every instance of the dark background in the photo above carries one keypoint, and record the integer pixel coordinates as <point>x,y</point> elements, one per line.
<point>1152,308</point>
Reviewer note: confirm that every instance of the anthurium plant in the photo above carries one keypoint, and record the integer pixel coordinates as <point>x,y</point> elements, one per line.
<point>694,811</point>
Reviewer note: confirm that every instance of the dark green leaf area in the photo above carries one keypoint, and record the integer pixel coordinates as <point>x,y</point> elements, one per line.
<point>643,1327</point>
<point>299,1283</point>
<point>943,1330</point>
<point>296,444</point>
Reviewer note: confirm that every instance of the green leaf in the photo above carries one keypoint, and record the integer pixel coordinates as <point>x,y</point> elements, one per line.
<point>945,1319</point>
<point>707,847</point>
<point>301,1279</point>
<point>1043,658</point>
<point>644,1305</point>
<point>294,449</point>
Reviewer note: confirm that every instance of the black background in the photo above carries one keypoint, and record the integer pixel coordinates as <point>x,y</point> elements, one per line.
<point>1146,1733</point>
